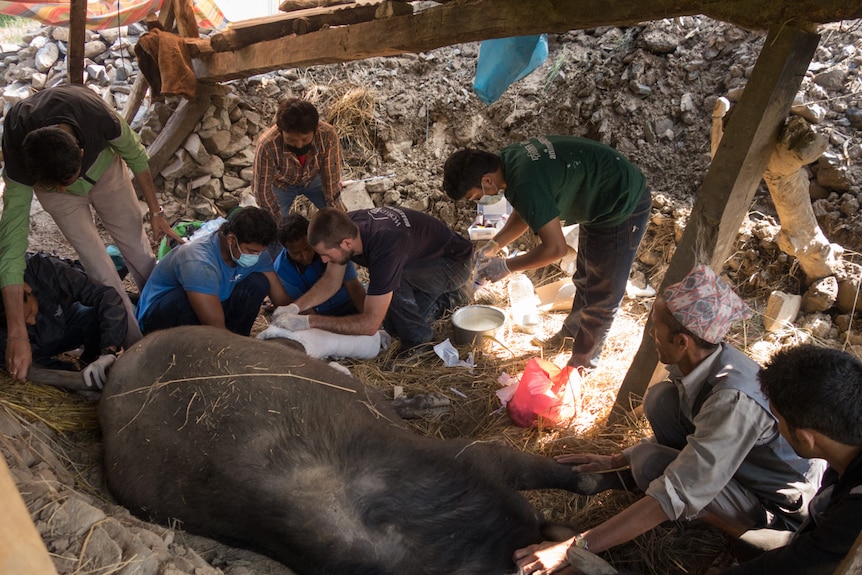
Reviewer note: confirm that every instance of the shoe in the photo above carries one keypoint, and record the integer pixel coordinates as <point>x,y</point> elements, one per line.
<point>556,341</point>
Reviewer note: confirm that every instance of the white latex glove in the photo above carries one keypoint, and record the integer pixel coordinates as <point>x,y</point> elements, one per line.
<point>291,309</point>
<point>293,322</point>
<point>487,251</point>
<point>494,270</point>
<point>96,374</point>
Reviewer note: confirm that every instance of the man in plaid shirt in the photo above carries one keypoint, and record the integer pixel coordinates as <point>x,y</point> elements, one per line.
<point>300,155</point>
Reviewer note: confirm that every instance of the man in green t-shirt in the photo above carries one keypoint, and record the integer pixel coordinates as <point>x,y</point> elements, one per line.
<point>552,181</point>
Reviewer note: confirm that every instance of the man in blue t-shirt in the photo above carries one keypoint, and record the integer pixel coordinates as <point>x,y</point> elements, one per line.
<point>219,280</point>
<point>299,267</point>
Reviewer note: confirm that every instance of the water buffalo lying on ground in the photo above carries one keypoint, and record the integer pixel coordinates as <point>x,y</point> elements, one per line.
<point>259,446</point>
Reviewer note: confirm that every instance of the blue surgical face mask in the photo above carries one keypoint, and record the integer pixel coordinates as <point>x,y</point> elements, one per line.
<point>244,260</point>
<point>487,200</point>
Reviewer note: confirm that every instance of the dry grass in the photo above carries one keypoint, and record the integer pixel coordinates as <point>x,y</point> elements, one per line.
<point>350,110</point>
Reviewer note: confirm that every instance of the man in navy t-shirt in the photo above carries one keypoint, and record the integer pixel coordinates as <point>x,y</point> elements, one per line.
<point>417,269</point>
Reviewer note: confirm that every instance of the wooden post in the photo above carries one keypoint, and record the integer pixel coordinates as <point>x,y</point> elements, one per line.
<point>732,179</point>
<point>187,24</point>
<point>178,127</point>
<point>21,547</point>
<point>852,564</point>
<point>77,28</point>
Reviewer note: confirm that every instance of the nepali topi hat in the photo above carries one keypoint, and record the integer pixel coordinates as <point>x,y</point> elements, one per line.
<point>704,304</point>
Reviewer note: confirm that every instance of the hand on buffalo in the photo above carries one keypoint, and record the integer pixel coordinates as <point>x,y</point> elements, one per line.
<point>544,558</point>
<point>96,374</point>
<point>493,271</point>
<point>294,322</point>
<point>583,462</point>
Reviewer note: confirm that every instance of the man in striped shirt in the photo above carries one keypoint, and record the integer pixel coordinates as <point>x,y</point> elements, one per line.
<point>300,155</point>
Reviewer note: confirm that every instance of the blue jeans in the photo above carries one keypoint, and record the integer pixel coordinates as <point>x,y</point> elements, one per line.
<point>286,196</point>
<point>605,257</point>
<point>240,309</point>
<point>426,291</point>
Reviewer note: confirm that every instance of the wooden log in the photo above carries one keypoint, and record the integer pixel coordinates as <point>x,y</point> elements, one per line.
<point>722,106</point>
<point>302,22</point>
<point>187,24</point>
<point>733,177</point>
<point>136,97</point>
<point>293,5</point>
<point>787,180</point>
<point>77,27</point>
<point>472,20</point>
<point>178,127</point>
<point>21,547</point>
<point>852,564</point>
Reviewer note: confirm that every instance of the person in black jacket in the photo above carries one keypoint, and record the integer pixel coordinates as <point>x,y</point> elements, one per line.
<point>816,394</point>
<point>64,310</point>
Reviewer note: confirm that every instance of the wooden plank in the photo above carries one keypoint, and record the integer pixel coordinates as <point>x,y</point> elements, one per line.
<point>302,22</point>
<point>732,179</point>
<point>187,24</point>
<point>77,28</point>
<point>21,547</point>
<point>472,20</point>
<point>852,564</point>
<point>178,127</point>
<point>293,5</point>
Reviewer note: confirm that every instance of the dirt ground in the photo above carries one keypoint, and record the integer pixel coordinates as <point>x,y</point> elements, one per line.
<point>647,90</point>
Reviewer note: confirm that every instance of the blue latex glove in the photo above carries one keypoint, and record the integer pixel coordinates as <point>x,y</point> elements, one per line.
<point>494,270</point>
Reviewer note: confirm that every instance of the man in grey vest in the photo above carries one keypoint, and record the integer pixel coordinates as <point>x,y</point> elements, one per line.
<point>716,454</point>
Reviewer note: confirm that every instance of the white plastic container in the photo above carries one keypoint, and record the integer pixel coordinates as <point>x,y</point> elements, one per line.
<point>522,304</point>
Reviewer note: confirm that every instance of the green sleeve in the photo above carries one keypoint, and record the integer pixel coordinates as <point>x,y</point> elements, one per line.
<point>14,231</point>
<point>130,148</point>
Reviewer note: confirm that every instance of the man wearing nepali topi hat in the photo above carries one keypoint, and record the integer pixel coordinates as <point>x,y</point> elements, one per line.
<point>716,453</point>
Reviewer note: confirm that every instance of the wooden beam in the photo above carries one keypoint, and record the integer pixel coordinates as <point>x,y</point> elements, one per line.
<point>294,5</point>
<point>177,128</point>
<point>77,29</point>
<point>732,179</point>
<point>299,22</point>
<point>472,20</point>
<point>187,24</point>
<point>21,547</point>
<point>852,564</point>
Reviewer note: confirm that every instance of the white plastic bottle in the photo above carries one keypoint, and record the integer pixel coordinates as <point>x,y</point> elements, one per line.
<point>522,304</point>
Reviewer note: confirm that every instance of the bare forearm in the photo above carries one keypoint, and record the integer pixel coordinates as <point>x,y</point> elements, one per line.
<point>538,257</point>
<point>638,518</point>
<point>359,324</point>
<point>326,287</point>
<point>513,229</point>
<point>13,301</point>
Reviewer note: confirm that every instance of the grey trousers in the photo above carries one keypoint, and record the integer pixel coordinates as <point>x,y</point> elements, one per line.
<point>114,200</point>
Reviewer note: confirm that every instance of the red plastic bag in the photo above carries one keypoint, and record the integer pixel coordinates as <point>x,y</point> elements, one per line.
<point>545,391</point>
